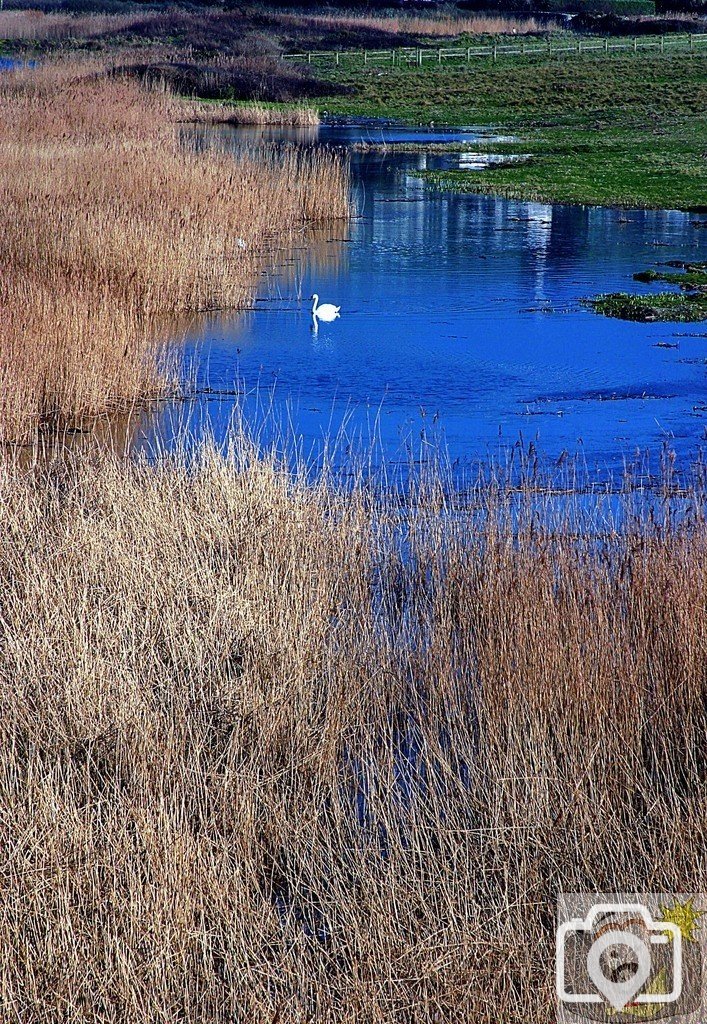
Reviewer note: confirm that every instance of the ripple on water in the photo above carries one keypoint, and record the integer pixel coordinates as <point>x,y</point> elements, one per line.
<point>466,306</point>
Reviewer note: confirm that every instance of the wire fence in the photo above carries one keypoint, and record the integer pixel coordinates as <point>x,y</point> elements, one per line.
<point>407,55</point>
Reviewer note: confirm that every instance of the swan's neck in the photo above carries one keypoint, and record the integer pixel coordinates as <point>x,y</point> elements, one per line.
<point>316,302</point>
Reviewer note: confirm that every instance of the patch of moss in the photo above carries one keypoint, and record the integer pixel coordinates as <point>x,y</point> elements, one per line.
<point>686,306</point>
<point>692,277</point>
<point>669,306</point>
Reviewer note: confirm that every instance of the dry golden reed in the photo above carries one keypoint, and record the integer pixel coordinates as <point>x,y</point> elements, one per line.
<point>293,116</point>
<point>273,751</point>
<point>39,26</point>
<point>108,225</point>
<point>448,26</point>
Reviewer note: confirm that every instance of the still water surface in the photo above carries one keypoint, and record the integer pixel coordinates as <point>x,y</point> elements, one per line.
<point>460,317</point>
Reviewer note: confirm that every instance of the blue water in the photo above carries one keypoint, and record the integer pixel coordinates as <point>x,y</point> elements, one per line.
<point>461,320</point>
<point>13,63</point>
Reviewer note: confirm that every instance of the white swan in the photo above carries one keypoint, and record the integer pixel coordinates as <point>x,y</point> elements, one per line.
<point>326,311</point>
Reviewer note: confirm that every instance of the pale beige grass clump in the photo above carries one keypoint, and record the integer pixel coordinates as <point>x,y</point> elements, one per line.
<point>278,752</point>
<point>108,225</point>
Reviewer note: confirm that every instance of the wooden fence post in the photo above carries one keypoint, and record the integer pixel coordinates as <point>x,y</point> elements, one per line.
<point>417,55</point>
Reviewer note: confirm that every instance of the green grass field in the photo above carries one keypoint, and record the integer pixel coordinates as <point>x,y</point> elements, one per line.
<point>622,130</point>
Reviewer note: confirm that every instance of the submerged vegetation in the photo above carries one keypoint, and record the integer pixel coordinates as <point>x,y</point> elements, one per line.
<point>278,750</point>
<point>687,306</point>
<point>669,306</point>
<point>691,276</point>
<point>109,224</point>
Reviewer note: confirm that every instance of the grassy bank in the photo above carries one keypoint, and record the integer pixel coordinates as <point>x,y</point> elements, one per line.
<point>600,164</point>
<point>109,225</point>
<point>625,130</point>
<point>273,751</point>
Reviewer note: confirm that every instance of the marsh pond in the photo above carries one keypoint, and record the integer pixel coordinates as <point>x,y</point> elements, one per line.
<point>461,319</point>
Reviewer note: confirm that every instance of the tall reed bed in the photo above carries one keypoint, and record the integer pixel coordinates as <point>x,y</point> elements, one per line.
<point>108,225</point>
<point>285,115</point>
<point>433,26</point>
<point>296,115</point>
<point>39,26</point>
<point>278,751</point>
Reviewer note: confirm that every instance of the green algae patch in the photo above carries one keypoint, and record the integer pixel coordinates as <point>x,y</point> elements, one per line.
<point>689,305</point>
